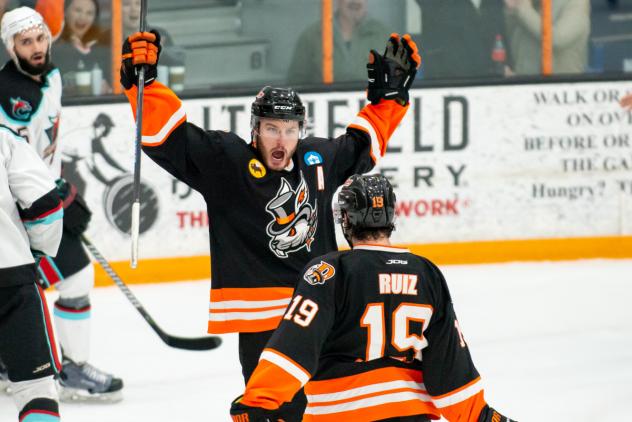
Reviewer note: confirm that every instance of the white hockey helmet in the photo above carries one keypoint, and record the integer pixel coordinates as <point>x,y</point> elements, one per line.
<point>20,20</point>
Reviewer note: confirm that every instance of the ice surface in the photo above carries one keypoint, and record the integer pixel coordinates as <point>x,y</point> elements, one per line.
<point>553,342</point>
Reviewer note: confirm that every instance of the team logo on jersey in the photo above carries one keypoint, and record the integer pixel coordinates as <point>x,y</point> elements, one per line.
<point>294,222</point>
<point>256,169</point>
<point>21,109</point>
<point>319,273</point>
<point>312,158</point>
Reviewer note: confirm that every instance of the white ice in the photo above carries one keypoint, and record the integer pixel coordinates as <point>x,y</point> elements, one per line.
<point>552,341</point>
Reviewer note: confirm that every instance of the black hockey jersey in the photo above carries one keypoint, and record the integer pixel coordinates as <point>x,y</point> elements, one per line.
<point>32,109</point>
<point>371,334</point>
<point>264,224</point>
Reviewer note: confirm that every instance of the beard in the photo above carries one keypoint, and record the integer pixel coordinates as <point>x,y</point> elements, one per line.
<point>32,70</point>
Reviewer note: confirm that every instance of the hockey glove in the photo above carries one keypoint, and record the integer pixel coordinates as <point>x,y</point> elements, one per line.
<point>489,414</point>
<point>77,215</point>
<point>140,49</point>
<point>242,413</point>
<point>392,74</point>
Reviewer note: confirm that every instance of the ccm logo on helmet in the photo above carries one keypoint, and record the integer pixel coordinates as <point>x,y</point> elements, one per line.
<point>319,273</point>
<point>281,107</point>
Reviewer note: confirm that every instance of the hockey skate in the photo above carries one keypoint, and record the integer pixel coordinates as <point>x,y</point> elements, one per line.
<point>4,379</point>
<point>85,383</point>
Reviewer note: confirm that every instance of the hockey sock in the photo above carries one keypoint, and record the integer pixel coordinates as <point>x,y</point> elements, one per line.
<point>40,410</point>
<point>72,319</point>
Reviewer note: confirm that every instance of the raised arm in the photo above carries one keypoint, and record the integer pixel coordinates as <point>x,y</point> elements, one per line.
<point>183,149</point>
<point>390,76</point>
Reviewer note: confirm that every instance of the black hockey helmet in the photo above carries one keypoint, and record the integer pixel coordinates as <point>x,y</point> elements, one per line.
<point>277,103</point>
<point>368,201</point>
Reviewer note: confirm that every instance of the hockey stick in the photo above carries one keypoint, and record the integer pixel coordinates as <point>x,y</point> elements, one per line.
<point>187,343</point>
<point>135,228</point>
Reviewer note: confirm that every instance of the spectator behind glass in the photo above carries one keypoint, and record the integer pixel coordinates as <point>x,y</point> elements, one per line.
<point>170,55</point>
<point>83,47</point>
<point>571,28</point>
<point>463,38</point>
<point>354,34</point>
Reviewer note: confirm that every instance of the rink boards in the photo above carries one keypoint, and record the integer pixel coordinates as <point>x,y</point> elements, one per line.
<point>482,174</point>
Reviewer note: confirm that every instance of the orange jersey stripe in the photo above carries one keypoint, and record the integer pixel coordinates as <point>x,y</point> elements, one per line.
<point>270,386</point>
<point>368,396</point>
<point>276,380</point>
<point>243,326</point>
<point>378,412</point>
<point>367,378</point>
<point>467,410</point>
<point>162,112</point>
<point>287,363</point>
<point>248,310</point>
<point>252,293</point>
<point>378,394</point>
<point>472,384</point>
<point>462,404</point>
<point>230,310</point>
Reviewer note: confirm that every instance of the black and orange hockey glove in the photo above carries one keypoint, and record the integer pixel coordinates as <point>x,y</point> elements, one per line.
<point>140,49</point>
<point>241,413</point>
<point>392,74</point>
<point>489,414</point>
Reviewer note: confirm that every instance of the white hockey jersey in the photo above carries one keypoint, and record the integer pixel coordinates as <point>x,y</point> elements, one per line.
<point>30,210</point>
<point>32,109</point>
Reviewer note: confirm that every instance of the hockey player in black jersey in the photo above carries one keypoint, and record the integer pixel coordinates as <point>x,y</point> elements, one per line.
<point>370,333</point>
<point>30,104</point>
<point>268,200</point>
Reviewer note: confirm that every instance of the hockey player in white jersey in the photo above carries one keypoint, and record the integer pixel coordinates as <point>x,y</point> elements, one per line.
<point>31,226</point>
<point>30,104</point>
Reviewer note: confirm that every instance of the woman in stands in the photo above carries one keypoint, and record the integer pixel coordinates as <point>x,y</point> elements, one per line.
<point>83,47</point>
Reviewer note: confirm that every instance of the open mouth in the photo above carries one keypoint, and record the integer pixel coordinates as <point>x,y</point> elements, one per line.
<point>278,155</point>
<point>80,26</point>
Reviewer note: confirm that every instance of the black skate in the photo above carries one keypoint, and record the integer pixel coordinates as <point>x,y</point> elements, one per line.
<point>84,382</point>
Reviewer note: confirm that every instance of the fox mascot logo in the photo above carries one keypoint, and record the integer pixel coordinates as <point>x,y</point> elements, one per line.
<point>294,222</point>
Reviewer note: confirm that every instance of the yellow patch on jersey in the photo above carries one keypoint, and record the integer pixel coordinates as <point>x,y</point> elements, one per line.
<point>256,169</point>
